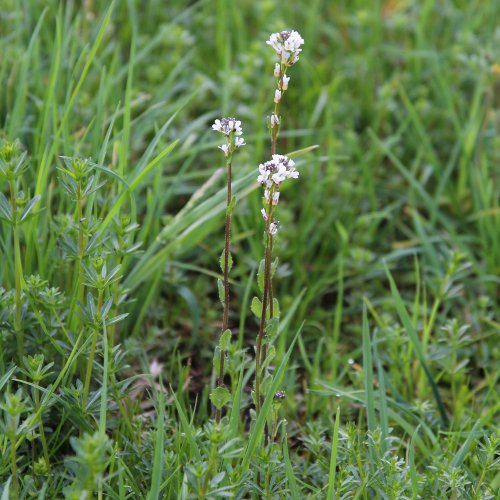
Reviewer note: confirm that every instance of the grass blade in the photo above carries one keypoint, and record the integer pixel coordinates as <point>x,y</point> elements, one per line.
<point>368,374</point>
<point>292,482</point>
<point>333,457</point>
<point>186,427</point>
<point>156,478</point>
<point>406,320</point>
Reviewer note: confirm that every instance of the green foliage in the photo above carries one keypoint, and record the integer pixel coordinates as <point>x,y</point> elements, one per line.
<point>225,340</point>
<point>112,206</point>
<point>220,396</point>
<point>222,260</point>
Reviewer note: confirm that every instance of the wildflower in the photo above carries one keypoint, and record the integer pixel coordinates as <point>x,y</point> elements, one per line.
<point>276,197</point>
<point>155,368</point>
<point>280,395</point>
<point>227,126</point>
<point>274,120</point>
<point>284,82</point>
<point>276,170</point>
<point>264,174</point>
<point>273,227</point>
<point>264,214</point>
<point>239,141</point>
<point>287,46</point>
<point>277,70</point>
<point>231,128</point>
<point>280,175</point>
<point>225,149</point>
<point>277,96</point>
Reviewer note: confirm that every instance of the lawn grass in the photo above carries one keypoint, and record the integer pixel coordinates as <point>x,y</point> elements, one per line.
<point>389,252</point>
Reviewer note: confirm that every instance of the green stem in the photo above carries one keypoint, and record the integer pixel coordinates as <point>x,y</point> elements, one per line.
<point>212,463</point>
<point>13,459</point>
<point>225,316</point>
<point>78,285</point>
<point>18,273</point>
<point>269,278</point>
<point>425,342</point>
<point>42,432</point>
<point>90,361</point>
<point>262,326</point>
<point>18,269</point>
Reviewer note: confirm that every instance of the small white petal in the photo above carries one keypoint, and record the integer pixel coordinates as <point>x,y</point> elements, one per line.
<point>277,96</point>
<point>284,82</point>
<point>155,368</point>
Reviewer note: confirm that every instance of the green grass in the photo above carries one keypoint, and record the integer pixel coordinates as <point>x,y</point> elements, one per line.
<point>389,252</point>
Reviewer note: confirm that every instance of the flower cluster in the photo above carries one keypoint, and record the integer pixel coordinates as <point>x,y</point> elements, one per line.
<point>276,170</point>
<point>231,128</point>
<point>280,395</point>
<point>271,174</point>
<point>287,46</point>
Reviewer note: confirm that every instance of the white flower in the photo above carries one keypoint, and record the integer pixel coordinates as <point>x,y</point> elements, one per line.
<point>225,149</point>
<point>287,46</point>
<point>227,126</point>
<point>264,214</point>
<point>277,96</point>
<point>217,126</point>
<point>273,227</point>
<point>155,368</point>
<point>274,120</point>
<point>276,197</point>
<point>284,82</point>
<point>266,194</point>
<point>277,70</point>
<point>264,174</point>
<point>276,170</point>
<point>231,128</point>
<point>280,175</point>
<point>237,128</point>
<point>239,141</point>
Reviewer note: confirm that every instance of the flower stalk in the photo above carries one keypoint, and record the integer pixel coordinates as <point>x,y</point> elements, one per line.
<point>271,174</point>
<point>225,316</point>
<point>232,131</point>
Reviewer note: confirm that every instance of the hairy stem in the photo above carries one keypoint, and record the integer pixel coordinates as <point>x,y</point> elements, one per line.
<point>265,299</point>
<point>225,316</point>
